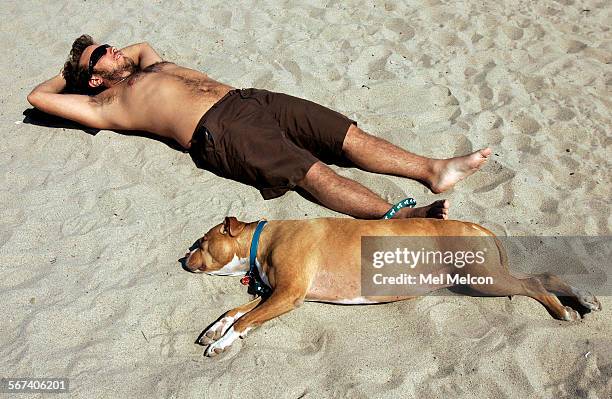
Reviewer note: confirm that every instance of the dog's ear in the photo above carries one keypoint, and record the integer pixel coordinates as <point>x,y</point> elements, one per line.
<point>233,226</point>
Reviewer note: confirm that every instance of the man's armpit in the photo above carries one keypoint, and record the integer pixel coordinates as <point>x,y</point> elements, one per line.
<point>102,99</point>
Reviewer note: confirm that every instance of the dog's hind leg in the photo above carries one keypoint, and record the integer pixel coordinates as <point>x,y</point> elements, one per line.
<point>504,285</point>
<point>555,284</point>
<point>540,287</point>
<point>220,327</point>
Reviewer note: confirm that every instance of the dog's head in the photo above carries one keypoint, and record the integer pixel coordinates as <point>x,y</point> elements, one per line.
<point>218,251</point>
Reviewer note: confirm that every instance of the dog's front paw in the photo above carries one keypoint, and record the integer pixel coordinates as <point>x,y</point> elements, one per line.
<point>222,344</point>
<point>216,331</point>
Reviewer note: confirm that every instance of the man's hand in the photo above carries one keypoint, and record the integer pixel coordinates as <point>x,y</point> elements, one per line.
<point>142,54</point>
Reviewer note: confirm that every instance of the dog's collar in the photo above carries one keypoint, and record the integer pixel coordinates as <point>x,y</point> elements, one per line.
<point>252,277</point>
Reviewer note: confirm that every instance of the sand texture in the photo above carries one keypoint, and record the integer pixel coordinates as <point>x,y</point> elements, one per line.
<point>92,224</point>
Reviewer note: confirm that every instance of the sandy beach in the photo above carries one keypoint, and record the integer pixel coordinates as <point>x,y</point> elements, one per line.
<point>92,223</point>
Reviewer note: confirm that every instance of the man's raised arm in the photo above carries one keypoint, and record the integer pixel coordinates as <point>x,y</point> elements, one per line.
<point>76,107</point>
<point>142,54</point>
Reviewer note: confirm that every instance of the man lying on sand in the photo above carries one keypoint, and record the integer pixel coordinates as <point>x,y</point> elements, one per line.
<point>271,141</point>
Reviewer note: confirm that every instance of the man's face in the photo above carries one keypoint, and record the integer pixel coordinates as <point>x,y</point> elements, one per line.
<point>111,66</point>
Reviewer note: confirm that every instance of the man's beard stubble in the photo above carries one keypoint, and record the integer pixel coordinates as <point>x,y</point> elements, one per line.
<point>119,72</point>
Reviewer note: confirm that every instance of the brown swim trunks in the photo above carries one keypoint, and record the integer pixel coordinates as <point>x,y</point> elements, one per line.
<point>267,140</point>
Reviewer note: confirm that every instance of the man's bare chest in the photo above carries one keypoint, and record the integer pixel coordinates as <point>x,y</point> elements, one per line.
<point>166,74</point>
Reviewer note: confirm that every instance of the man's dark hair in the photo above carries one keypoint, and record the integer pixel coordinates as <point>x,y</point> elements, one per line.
<point>77,77</point>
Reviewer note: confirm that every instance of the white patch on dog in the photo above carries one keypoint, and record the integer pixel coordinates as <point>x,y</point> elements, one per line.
<point>263,276</point>
<point>236,267</point>
<point>353,301</point>
<point>222,343</point>
<point>221,326</point>
<point>571,314</point>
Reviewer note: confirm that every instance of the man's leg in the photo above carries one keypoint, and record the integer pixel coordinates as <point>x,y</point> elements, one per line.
<point>377,155</point>
<point>351,198</point>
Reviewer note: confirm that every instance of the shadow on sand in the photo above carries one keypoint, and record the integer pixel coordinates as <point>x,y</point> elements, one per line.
<point>36,117</point>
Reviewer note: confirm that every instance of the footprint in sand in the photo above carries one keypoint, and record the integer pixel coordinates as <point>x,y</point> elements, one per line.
<point>524,124</point>
<point>427,108</point>
<point>496,176</point>
<point>5,236</point>
<point>81,224</point>
<point>313,344</point>
<point>401,27</point>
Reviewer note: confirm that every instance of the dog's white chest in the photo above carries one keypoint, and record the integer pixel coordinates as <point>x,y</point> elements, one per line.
<point>235,267</point>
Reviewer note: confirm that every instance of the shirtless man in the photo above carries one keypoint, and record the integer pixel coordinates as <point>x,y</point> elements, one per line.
<point>271,141</point>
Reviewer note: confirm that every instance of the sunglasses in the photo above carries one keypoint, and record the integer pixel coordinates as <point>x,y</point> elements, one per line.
<point>95,56</point>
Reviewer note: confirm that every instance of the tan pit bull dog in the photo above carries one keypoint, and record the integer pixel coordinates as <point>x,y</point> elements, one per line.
<point>320,260</point>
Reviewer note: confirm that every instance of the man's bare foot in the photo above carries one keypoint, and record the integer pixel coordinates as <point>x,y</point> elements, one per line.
<point>437,210</point>
<point>447,172</point>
